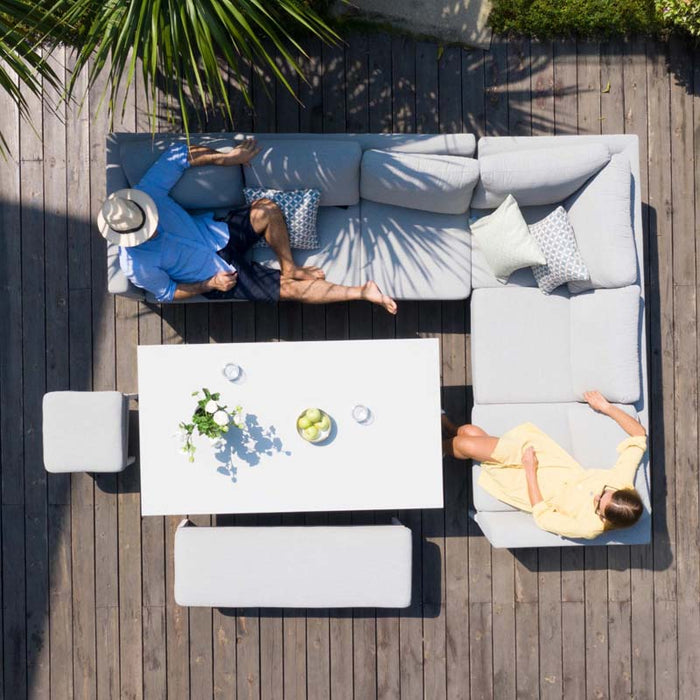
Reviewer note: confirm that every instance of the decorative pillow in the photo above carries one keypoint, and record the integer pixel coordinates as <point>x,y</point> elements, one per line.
<point>556,239</point>
<point>300,209</point>
<point>505,240</point>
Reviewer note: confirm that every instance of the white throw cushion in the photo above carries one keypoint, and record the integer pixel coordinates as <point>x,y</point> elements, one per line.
<point>440,184</point>
<point>605,343</point>
<point>555,236</point>
<point>601,215</point>
<point>300,211</point>
<point>505,240</point>
<point>333,167</point>
<point>537,176</point>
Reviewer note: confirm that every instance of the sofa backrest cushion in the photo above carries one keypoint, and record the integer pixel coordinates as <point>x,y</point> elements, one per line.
<point>333,167</point>
<point>206,187</point>
<point>601,214</point>
<point>605,343</point>
<point>537,176</point>
<point>439,184</point>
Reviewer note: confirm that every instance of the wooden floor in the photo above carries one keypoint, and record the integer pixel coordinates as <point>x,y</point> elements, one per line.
<point>87,603</point>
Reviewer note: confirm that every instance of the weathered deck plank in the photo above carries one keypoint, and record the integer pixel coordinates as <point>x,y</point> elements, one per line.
<point>87,585</point>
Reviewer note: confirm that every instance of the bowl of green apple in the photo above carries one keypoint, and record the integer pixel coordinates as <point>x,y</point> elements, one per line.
<point>314,425</point>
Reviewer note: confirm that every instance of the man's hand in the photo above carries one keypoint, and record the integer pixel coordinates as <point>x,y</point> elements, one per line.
<point>222,281</point>
<point>597,402</point>
<point>530,459</point>
<point>244,153</point>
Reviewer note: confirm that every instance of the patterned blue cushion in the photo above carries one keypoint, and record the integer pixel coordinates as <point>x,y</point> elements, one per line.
<point>300,209</point>
<point>556,239</point>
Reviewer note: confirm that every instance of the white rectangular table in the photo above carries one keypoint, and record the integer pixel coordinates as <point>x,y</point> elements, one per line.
<point>393,463</point>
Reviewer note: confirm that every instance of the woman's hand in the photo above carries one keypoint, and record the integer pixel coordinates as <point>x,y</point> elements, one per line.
<point>597,402</point>
<point>530,459</point>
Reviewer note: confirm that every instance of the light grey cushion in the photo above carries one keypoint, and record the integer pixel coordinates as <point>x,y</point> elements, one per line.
<point>333,167</point>
<point>589,437</point>
<point>505,241</point>
<point>554,348</point>
<point>555,237</point>
<point>339,251</point>
<point>441,184</point>
<point>300,211</point>
<point>605,343</point>
<point>602,219</point>
<point>520,346</point>
<point>537,176</point>
<point>206,187</point>
<point>85,431</point>
<point>296,567</point>
<point>413,254</point>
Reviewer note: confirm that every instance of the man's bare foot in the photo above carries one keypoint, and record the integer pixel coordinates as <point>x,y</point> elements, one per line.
<point>370,292</point>
<point>305,273</point>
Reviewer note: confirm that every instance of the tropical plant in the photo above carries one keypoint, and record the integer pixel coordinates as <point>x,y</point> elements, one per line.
<point>680,15</point>
<point>22,65</point>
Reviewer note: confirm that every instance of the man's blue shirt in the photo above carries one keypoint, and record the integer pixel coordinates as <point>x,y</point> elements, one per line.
<point>185,248</point>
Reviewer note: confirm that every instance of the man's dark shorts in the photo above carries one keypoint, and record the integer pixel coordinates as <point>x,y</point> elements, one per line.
<point>255,282</point>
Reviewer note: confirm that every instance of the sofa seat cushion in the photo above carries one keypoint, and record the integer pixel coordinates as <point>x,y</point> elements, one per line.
<point>440,184</point>
<point>537,176</point>
<point>601,214</point>
<point>592,440</point>
<point>553,348</point>
<point>295,567</point>
<point>206,187</point>
<point>333,167</point>
<point>338,254</point>
<point>413,254</point>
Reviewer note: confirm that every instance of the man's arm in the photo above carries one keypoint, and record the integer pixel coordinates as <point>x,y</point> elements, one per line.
<point>221,281</point>
<point>240,155</point>
<point>599,403</point>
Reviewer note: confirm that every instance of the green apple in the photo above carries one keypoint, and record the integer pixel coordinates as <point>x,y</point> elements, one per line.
<point>311,433</point>
<point>313,414</point>
<point>303,423</point>
<point>324,424</point>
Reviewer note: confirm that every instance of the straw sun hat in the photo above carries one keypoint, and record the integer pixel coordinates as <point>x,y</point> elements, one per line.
<point>128,218</point>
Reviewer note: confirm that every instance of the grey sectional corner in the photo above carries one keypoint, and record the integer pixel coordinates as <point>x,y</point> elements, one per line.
<point>396,208</point>
<point>545,351</point>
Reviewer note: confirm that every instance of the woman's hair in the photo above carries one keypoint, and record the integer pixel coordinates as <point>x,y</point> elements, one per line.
<point>624,509</point>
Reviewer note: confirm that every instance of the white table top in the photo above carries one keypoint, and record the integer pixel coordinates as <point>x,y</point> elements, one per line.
<point>394,463</point>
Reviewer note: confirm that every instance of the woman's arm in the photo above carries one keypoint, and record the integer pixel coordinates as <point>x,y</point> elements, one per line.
<point>530,463</point>
<point>240,155</point>
<point>599,403</point>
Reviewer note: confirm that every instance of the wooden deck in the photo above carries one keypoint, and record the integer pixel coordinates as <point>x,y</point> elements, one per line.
<point>87,606</point>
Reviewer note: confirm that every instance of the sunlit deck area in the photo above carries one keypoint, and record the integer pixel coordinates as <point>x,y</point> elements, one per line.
<point>87,583</point>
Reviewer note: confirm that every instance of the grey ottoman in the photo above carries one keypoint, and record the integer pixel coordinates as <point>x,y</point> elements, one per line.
<point>86,431</point>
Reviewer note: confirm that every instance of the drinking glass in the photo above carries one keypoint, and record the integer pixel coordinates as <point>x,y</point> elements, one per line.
<point>362,415</point>
<point>232,371</point>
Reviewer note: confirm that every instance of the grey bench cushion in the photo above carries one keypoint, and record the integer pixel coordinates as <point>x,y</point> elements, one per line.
<point>441,184</point>
<point>207,187</point>
<point>589,437</point>
<point>333,167</point>
<point>297,567</point>
<point>537,176</point>
<point>528,347</point>
<point>85,431</point>
<point>415,254</point>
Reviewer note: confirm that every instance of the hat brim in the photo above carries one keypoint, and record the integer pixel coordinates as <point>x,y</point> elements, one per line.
<point>133,238</point>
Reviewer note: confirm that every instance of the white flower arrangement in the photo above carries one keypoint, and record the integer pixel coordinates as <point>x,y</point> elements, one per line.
<point>210,419</point>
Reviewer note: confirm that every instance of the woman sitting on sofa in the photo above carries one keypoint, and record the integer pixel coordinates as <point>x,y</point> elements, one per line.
<point>528,470</point>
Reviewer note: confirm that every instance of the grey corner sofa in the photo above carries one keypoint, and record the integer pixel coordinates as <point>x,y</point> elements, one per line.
<point>396,208</point>
<point>393,206</point>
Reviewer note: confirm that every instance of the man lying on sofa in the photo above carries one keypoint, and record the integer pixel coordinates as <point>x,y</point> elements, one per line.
<point>175,256</point>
